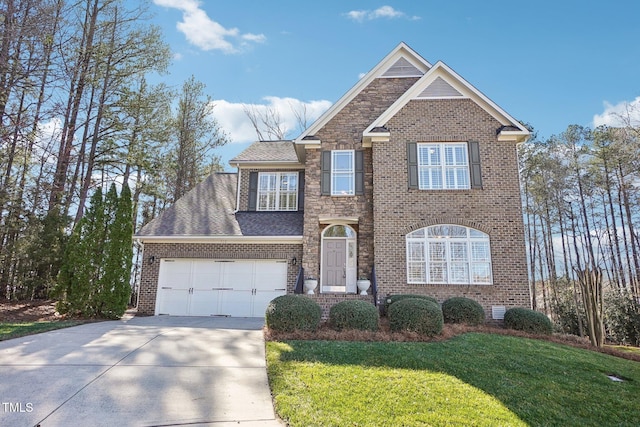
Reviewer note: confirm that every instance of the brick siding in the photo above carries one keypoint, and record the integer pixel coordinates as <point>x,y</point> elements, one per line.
<point>495,210</point>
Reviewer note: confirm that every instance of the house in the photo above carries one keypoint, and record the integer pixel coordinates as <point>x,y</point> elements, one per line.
<point>410,179</point>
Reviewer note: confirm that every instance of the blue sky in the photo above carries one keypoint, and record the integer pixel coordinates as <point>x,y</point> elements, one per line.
<point>548,63</point>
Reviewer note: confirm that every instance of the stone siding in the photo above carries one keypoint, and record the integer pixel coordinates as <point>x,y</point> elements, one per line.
<point>344,132</point>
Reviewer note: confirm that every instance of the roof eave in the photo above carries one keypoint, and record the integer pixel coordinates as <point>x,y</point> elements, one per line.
<point>513,136</point>
<point>221,239</point>
<point>262,164</point>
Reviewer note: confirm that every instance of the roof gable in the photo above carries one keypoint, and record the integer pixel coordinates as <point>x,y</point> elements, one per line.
<point>442,82</point>
<point>439,88</point>
<point>271,152</point>
<point>403,68</point>
<point>400,62</point>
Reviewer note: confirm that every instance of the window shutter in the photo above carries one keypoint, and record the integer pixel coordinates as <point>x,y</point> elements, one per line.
<point>325,179</point>
<point>474,165</point>
<point>253,190</point>
<point>359,184</point>
<point>300,191</point>
<point>412,163</point>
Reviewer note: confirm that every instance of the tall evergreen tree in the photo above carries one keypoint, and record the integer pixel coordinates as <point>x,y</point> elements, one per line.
<point>114,286</point>
<point>82,261</point>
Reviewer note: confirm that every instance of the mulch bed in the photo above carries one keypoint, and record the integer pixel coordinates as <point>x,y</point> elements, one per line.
<point>28,311</point>
<point>44,310</point>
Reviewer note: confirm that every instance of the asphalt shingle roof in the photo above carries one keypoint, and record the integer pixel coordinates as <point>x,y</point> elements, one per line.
<point>270,223</point>
<point>208,210</point>
<point>268,151</point>
<point>204,211</point>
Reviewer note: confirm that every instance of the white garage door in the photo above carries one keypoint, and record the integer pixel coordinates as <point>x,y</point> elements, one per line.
<point>188,287</point>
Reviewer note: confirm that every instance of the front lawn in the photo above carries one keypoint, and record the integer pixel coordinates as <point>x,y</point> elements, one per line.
<point>16,330</point>
<point>473,379</point>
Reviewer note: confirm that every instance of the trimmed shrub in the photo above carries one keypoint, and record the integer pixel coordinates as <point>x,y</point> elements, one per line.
<point>354,314</point>
<point>524,319</point>
<point>394,298</point>
<point>462,310</point>
<point>288,313</point>
<point>416,315</point>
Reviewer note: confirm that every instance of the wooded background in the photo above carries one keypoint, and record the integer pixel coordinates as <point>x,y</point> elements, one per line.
<point>84,103</point>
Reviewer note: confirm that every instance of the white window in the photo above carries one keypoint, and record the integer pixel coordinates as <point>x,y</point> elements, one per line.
<point>342,173</point>
<point>448,254</point>
<point>443,166</point>
<point>278,191</point>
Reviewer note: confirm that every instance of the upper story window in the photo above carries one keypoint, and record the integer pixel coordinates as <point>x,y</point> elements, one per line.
<point>443,166</point>
<point>448,254</point>
<point>277,191</point>
<point>342,173</point>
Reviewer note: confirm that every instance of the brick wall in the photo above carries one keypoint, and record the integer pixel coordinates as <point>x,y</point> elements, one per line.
<point>495,210</point>
<point>149,273</point>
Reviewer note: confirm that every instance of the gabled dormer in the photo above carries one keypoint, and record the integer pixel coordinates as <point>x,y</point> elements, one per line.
<point>270,178</point>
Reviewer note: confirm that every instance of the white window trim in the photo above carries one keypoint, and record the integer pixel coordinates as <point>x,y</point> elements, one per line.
<point>443,167</point>
<point>425,240</point>
<point>278,176</point>
<point>351,173</point>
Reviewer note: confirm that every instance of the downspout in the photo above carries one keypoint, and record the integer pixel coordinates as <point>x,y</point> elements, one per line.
<point>140,251</point>
<point>238,190</point>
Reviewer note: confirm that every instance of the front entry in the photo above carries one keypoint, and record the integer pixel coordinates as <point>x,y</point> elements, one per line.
<point>338,272</point>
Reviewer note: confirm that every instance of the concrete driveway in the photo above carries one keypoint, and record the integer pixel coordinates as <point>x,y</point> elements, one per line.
<point>141,371</point>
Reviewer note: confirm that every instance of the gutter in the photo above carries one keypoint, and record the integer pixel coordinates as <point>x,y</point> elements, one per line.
<point>222,239</point>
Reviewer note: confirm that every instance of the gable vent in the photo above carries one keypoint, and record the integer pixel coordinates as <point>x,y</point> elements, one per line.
<point>439,89</point>
<point>402,68</point>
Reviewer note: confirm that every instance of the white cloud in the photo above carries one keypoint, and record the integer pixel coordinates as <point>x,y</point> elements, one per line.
<point>387,12</point>
<point>233,120</point>
<point>205,33</point>
<point>625,113</point>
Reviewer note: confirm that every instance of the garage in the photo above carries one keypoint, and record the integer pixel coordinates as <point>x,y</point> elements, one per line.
<point>204,287</point>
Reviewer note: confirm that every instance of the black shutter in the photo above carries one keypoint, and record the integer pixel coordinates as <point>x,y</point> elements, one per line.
<point>253,190</point>
<point>300,191</point>
<point>475,172</point>
<point>412,164</point>
<point>325,180</point>
<point>359,172</point>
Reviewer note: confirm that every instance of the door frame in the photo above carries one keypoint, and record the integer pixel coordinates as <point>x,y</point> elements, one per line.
<point>351,258</point>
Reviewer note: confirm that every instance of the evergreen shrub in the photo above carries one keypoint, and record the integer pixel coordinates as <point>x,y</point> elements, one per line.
<point>394,298</point>
<point>416,315</point>
<point>288,313</point>
<point>462,310</point>
<point>531,321</point>
<point>354,314</point>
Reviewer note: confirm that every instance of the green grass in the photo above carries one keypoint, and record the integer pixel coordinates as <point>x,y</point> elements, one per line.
<point>474,379</point>
<point>16,330</point>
